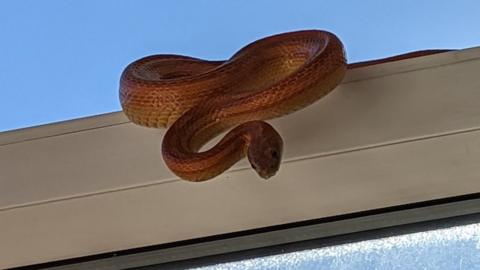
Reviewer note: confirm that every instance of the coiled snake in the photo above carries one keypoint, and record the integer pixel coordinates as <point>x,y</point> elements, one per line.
<point>198,99</point>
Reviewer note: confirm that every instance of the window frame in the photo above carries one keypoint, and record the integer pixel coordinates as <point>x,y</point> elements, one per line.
<point>308,234</point>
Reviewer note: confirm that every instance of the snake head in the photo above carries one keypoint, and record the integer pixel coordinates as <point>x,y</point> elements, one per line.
<point>265,151</point>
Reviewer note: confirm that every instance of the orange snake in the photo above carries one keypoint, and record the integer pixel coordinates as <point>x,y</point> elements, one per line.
<point>199,99</point>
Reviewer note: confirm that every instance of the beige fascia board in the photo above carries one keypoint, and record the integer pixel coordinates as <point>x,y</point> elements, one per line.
<point>391,134</point>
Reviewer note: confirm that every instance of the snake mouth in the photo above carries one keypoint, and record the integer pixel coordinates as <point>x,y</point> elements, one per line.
<point>265,172</point>
<point>266,175</point>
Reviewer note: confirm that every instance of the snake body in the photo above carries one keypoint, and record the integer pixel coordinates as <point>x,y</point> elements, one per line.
<point>198,99</point>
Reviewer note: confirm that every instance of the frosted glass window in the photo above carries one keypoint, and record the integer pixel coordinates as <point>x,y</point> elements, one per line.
<point>452,248</point>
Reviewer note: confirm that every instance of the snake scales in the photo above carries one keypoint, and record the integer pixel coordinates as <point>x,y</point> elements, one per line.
<point>198,99</point>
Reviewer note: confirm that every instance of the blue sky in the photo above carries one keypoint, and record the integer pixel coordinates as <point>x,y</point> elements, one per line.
<point>61,59</point>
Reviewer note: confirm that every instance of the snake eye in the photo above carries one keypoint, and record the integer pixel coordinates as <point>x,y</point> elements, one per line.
<point>274,154</point>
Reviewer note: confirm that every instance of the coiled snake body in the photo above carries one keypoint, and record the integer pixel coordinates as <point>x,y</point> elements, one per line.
<point>198,99</point>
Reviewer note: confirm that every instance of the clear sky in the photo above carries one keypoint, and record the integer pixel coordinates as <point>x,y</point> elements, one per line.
<point>61,59</point>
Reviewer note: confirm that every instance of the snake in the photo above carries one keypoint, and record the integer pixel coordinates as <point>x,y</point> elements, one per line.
<point>197,99</point>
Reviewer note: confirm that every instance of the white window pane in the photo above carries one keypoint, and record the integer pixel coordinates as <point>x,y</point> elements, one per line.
<point>452,248</point>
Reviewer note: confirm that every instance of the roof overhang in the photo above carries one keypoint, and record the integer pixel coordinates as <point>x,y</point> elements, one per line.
<point>391,134</point>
